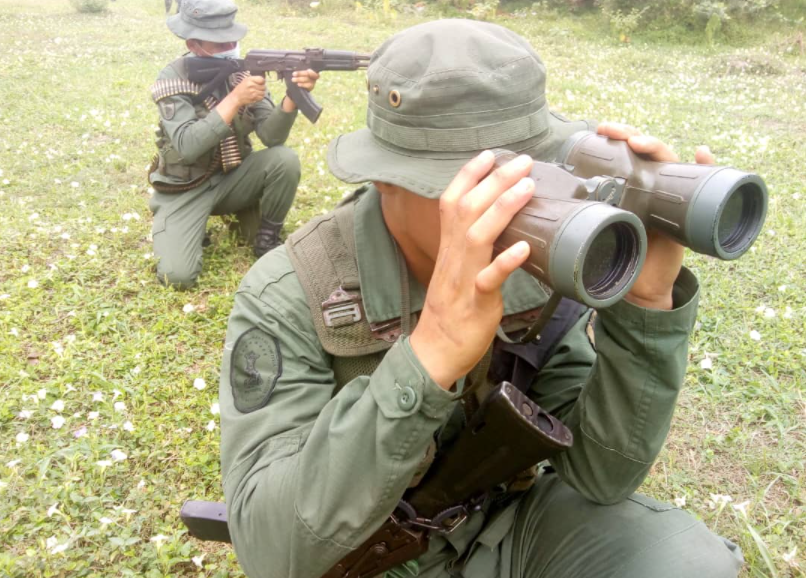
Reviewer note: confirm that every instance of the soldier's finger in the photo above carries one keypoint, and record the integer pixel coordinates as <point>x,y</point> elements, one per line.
<point>492,277</point>
<point>467,178</point>
<point>653,148</point>
<point>484,195</point>
<point>617,130</point>
<point>489,226</point>
<point>704,156</point>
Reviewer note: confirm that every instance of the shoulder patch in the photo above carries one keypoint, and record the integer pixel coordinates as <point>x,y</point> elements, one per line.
<point>167,109</point>
<point>256,367</point>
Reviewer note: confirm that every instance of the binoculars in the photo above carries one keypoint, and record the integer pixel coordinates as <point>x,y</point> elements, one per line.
<point>586,222</point>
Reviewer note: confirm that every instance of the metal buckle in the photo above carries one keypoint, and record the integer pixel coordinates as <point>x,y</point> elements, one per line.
<point>388,331</point>
<point>444,523</point>
<point>341,308</point>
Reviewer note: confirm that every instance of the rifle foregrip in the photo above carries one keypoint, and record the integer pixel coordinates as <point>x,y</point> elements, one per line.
<point>303,99</point>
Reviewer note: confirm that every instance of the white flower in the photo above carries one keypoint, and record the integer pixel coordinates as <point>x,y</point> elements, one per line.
<point>103,463</point>
<point>788,312</point>
<point>126,216</point>
<point>755,335</point>
<point>13,463</point>
<point>93,415</point>
<point>25,414</point>
<point>789,557</point>
<point>118,455</point>
<point>312,5</point>
<point>25,268</point>
<point>97,396</point>
<point>136,370</point>
<point>4,296</point>
<point>214,409</point>
<point>197,560</point>
<point>53,509</point>
<point>782,288</point>
<point>57,422</point>
<point>199,383</point>
<point>15,332</point>
<point>42,393</point>
<point>210,425</point>
<point>159,539</point>
<point>74,184</point>
<point>680,502</point>
<point>769,313</point>
<point>189,308</point>
<point>105,521</point>
<point>33,284</point>
<point>70,339</point>
<point>116,394</point>
<point>60,548</point>
<point>80,432</point>
<point>141,484</point>
<point>706,363</point>
<point>22,437</point>
<point>742,507</point>
<point>128,426</point>
<point>57,405</point>
<point>120,406</point>
<point>51,542</point>
<point>761,308</point>
<point>720,500</point>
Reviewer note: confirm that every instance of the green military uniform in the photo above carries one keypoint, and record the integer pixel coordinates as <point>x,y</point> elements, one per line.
<point>316,452</point>
<point>261,187</point>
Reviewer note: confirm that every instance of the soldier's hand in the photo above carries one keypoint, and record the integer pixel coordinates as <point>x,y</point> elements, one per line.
<point>250,90</point>
<point>305,78</point>
<point>464,305</point>
<point>664,256</point>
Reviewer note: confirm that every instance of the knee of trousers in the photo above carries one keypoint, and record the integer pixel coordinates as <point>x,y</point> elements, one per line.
<point>178,276</point>
<point>281,163</point>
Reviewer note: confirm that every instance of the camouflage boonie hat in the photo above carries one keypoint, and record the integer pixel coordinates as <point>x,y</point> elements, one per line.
<point>441,92</point>
<point>211,20</point>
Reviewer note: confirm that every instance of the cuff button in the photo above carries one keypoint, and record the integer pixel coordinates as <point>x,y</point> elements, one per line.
<point>407,398</point>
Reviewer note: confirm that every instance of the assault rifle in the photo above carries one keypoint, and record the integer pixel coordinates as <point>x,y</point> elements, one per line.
<point>213,72</point>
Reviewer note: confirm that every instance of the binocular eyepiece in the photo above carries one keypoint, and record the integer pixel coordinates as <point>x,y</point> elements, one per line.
<point>586,222</point>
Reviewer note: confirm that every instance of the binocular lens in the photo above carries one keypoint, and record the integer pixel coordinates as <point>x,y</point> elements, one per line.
<point>741,218</point>
<point>610,261</point>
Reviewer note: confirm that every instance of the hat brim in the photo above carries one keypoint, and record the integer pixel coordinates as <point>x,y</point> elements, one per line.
<point>360,157</point>
<point>187,31</point>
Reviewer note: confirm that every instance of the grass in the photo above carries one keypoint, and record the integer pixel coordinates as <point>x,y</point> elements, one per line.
<point>108,382</point>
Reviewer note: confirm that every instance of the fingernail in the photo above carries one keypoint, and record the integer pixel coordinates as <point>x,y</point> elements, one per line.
<point>524,161</point>
<point>525,184</point>
<point>485,156</point>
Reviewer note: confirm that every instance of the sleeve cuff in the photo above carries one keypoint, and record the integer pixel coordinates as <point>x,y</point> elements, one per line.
<point>218,126</point>
<point>402,387</point>
<point>685,298</point>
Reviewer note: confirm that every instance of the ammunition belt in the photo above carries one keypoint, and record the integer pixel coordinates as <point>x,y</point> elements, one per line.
<point>227,156</point>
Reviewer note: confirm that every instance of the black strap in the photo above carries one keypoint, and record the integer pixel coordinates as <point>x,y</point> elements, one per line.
<point>519,363</point>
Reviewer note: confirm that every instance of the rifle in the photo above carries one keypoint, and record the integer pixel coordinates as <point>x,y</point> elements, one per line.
<point>508,434</point>
<point>213,72</point>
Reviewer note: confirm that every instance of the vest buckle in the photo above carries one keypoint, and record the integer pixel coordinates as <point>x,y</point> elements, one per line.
<point>342,308</point>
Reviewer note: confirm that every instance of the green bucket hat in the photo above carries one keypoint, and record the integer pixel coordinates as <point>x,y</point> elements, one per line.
<point>211,20</point>
<point>441,92</point>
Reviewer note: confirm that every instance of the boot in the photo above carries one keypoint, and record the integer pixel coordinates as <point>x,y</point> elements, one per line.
<point>267,237</point>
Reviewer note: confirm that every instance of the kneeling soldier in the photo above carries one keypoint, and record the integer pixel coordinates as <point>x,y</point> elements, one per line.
<point>205,164</point>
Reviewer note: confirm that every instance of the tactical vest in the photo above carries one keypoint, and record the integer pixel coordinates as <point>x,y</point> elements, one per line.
<point>228,155</point>
<point>324,257</point>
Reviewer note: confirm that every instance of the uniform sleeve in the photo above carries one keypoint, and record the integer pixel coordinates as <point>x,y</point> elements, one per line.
<point>309,476</point>
<point>619,399</point>
<point>190,135</point>
<point>272,123</point>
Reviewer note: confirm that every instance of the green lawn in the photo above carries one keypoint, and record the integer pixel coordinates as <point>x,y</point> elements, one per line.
<point>108,382</point>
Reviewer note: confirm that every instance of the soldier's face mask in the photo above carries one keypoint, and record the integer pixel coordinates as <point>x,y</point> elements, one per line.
<point>231,53</point>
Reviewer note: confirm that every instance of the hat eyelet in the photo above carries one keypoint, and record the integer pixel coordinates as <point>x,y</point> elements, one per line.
<point>376,89</point>
<point>394,98</point>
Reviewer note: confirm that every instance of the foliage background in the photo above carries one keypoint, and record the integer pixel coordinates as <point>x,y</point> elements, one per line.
<point>108,382</point>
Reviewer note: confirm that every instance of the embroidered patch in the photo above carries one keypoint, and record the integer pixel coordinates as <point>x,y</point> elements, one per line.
<point>167,109</point>
<point>256,367</point>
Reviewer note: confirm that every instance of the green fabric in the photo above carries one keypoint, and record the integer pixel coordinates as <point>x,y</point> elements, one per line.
<point>192,134</point>
<point>477,86</point>
<point>211,20</point>
<point>266,181</point>
<point>310,475</point>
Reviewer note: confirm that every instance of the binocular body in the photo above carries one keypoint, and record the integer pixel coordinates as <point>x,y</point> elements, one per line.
<point>586,223</point>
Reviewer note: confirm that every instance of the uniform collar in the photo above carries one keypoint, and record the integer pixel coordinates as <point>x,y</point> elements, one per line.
<point>379,274</point>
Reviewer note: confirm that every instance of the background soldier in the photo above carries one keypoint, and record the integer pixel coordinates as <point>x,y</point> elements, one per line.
<point>318,450</point>
<point>205,164</point>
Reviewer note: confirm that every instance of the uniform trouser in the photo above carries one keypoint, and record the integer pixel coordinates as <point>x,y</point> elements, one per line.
<point>266,181</point>
<point>559,534</point>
